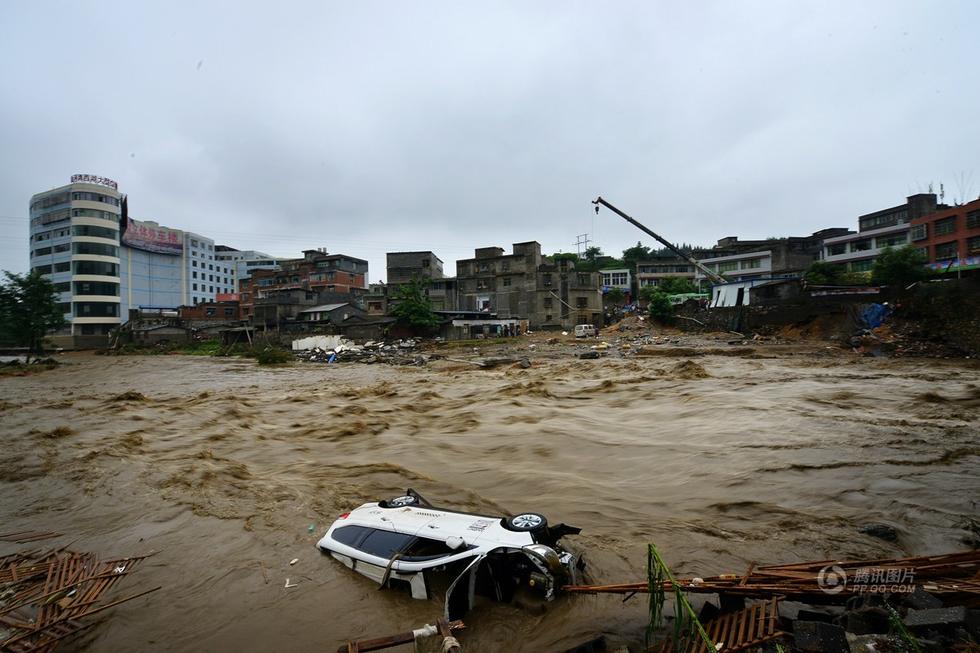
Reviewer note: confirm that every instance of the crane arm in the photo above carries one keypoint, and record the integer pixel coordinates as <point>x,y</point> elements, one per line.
<point>713,276</point>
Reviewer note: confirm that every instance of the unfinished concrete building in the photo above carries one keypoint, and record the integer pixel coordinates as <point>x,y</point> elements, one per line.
<point>403,266</point>
<point>525,284</point>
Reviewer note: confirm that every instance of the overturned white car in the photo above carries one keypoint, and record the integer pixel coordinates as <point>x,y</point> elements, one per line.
<point>406,539</point>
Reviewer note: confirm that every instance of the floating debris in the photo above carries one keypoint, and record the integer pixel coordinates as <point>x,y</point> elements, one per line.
<point>44,595</point>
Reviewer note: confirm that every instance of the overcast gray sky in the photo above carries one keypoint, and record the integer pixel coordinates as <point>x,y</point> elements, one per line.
<point>371,127</point>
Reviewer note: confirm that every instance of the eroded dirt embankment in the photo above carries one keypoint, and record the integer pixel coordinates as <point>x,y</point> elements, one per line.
<point>223,466</point>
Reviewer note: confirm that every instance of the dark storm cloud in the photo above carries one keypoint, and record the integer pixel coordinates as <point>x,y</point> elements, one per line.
<point>378,127</point>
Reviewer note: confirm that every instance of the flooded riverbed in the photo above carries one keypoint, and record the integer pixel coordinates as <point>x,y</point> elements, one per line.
<point>222,466</point>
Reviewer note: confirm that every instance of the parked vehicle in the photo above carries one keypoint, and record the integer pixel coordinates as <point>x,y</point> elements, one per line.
<point>406,539</point>
<point>585,331</point>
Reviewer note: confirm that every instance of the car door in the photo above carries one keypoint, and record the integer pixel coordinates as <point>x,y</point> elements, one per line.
<point>462,591</point>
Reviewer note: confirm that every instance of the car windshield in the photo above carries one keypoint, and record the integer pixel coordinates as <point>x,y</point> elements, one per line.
<point>385,544</point>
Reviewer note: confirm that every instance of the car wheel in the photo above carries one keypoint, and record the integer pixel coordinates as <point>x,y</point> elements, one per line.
<point>400,502</point>
<point>526,522</point>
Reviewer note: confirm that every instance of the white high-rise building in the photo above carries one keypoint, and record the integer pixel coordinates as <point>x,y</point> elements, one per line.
<point>103,265</point>
<point>74,241</point>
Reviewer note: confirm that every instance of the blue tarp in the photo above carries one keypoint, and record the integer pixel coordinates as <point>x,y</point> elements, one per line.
<point>874,315</point>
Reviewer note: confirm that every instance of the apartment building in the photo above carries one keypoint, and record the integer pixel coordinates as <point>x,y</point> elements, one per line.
<point>889,227</point>
<point>525,284</point>
<point>949,238</point>
<point>317,278</point>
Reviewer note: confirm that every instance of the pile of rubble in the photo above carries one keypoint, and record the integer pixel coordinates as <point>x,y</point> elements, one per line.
<point>336,349</point>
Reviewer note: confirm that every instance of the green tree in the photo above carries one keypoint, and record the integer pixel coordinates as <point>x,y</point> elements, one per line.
<point>899,267</point>
<point>615,296</point>
<point>28,311</point>
<point>660,307</point>
<point>565,256</point>
<point>414,308</point>
<point>677,286</point>
<point>822,273</point>
<point>592,253</point>
<point>633,254</point>
<point>647,292</point>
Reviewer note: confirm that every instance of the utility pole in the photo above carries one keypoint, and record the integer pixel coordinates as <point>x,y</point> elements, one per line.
<point>580,241</point>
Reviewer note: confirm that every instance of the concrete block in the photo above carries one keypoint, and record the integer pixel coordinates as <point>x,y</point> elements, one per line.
<point>867,621</point>
<point>936,617</point>
<point>820,637</point>
<point>921,600</point>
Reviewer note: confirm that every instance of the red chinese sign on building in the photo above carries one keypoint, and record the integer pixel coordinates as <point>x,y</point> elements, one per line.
<point>151,238</point>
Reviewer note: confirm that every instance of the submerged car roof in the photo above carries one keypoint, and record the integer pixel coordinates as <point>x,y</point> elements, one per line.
<point>437,524</point>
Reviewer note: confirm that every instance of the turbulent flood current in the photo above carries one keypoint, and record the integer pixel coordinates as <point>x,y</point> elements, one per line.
<point>223,468</point>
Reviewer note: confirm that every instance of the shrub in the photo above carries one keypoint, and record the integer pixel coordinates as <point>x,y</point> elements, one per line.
<point>660,307</point>
<point>273,356</point>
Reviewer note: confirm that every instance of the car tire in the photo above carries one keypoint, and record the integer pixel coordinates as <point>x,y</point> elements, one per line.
<point>400,502</point>
<point>526,522</point>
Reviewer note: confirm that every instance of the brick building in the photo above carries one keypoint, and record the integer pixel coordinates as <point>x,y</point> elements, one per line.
<point>950,237</point>
<point>317,278</point>
<point>889,227</point>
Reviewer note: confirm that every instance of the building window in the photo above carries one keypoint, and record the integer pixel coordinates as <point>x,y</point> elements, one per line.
<point>113,270</point>
<point>946,250</point>
<point>861,266</point>
<point>836,249</point>
<point>619,279</point>
<point>973,220</point>
<point>861,245</point>
<point>229,312</point>
<point>973,245</point>
<point>194,274</point>
<point>945,226</point>
<point>547,303</point>
<point>96,249</point>
<point>919,232</point>
<point>752,264</point>
<point>546,279</point>
<point>583,279</point>
<point>194,286</point>
<point>94,267</point>
<point>209,311</point>
<point>728,266</point>
<point>582,302</point>
<point>194,263</point>
<point>890,241</point>
<point>506,282</point>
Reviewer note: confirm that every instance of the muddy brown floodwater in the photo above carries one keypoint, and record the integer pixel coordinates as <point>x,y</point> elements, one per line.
<point>221,467</point>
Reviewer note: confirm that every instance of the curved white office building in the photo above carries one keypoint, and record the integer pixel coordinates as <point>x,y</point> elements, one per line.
<point>74,241</point>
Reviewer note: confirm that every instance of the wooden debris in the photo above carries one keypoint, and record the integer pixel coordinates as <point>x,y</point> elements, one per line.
<point>953,575</point>
<point>23,537</point>
<point>735,631</point>
<point>45,594</point>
